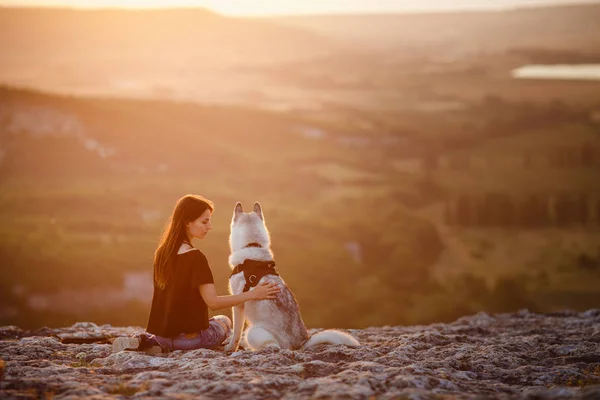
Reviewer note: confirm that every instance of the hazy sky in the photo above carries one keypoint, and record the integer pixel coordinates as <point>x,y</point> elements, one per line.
<point>275,7</point>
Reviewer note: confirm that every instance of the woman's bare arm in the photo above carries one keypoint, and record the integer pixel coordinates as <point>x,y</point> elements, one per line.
<point>263,291</point>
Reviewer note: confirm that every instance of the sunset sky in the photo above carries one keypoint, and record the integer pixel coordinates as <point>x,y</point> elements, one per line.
<point>279,7</point>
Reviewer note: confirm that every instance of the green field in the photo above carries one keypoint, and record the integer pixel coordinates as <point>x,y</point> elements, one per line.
<point>75,220</point>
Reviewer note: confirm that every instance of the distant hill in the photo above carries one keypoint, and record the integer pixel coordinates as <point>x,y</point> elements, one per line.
<point>574,27</point>
<point>189,36</point>
<point>89,49</point>
<point>197,55</point>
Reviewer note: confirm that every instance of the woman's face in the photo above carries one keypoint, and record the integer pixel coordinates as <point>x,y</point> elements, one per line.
<point>199,227</point>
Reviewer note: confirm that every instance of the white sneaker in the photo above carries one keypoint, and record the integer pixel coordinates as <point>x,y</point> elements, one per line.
<point>125,343</point>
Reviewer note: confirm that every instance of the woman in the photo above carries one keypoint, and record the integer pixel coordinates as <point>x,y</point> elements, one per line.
<point>184,288</point>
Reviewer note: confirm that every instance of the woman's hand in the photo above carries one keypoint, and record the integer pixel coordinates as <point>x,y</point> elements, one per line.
<point>265,291</point>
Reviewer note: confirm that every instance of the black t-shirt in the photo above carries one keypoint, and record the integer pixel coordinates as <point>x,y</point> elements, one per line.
<point>179,307</point>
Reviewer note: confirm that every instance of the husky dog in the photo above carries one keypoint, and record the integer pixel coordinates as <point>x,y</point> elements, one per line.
<point>276,322</point>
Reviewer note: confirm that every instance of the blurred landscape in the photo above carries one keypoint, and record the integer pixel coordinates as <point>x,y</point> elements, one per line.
<point>407,173</point>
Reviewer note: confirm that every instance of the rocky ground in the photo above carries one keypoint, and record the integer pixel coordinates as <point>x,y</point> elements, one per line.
<point>489,356</point>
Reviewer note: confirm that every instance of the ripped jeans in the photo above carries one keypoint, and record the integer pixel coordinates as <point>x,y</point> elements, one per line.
<point>209,338</point>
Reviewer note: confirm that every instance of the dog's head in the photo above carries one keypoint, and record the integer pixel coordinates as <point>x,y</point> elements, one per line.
<point>248,228</point>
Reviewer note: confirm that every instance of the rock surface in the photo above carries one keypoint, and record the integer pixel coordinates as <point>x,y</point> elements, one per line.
<point>523,355</point>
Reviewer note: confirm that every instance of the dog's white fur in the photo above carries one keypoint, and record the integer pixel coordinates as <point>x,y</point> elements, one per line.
<point>277,322</point>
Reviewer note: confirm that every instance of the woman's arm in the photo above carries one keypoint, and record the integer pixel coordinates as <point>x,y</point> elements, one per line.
<point>263,291</point>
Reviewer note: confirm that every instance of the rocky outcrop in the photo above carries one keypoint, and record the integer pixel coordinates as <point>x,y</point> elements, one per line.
<point>492,356</point>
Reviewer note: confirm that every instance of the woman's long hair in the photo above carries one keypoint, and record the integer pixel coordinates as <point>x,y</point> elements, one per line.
<point>189,208</point>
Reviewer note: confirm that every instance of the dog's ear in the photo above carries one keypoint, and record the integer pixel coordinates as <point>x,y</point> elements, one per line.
<point>258,210</point>
<point>237,211</point>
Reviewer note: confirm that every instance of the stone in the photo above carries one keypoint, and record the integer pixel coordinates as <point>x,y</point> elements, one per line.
<point>519,355</point>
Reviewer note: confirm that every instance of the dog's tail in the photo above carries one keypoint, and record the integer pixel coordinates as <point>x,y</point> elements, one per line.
<point>331,337</point>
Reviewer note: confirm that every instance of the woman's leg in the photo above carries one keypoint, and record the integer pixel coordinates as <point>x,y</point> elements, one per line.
<point>150,342</point>
<point>224,321</point>
<point>219,328</point>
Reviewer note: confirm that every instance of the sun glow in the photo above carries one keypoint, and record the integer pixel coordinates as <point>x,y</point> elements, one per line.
<point>290,7</point>
<point>227,7</point>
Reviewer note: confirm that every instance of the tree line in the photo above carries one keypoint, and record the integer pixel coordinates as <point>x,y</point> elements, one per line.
<point>498,209</point>
<point>585,155</point>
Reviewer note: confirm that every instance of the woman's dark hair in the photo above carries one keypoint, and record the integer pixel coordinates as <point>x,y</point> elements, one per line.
<point>189,208</point>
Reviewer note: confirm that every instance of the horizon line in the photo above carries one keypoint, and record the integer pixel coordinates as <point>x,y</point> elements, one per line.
<point>430,10</point>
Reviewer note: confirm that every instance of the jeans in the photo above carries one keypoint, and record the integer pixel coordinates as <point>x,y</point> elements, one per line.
<point>209,338</point>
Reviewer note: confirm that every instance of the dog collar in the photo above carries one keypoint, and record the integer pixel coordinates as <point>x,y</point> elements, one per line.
<point>253,244</point>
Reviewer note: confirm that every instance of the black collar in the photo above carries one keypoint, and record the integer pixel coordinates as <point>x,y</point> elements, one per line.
<point>253,244</point>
